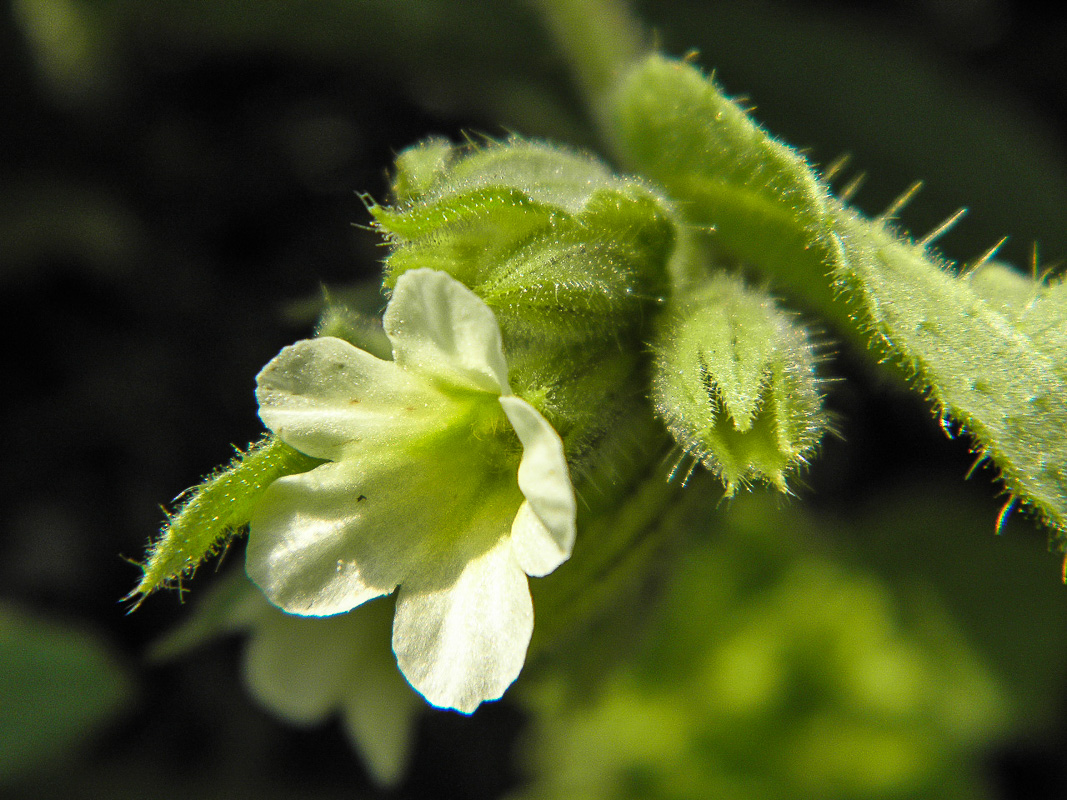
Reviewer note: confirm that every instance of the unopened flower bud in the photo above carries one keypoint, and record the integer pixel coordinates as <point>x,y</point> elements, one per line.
<point>734,379</point>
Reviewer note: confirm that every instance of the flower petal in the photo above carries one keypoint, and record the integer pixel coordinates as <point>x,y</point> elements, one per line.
<point>322,395</point>
<point>536,550</point>
<point>298,667</point>
<point>462,628</point>
<point>544,528</point>
<point>305,670</point>
<point>440,327</point>
<point>324,541</point>
<point>379,713</point>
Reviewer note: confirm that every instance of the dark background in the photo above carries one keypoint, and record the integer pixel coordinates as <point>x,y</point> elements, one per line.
<point>172,202</point>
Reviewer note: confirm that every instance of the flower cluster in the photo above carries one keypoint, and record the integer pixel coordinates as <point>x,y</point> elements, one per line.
<point>551,325</point>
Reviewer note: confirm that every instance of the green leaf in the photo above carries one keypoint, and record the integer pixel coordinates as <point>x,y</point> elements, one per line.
<point>214,512</point>
<point>999,373</point>
<point>997,367</point>
<point>758,197</point>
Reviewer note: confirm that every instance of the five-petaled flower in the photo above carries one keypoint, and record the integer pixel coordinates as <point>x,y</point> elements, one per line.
<point>438,480</point>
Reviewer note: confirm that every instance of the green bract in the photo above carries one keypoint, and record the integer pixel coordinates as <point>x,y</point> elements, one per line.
<point>215,511</point>
<point>734,380</point>
<point>999,372</point>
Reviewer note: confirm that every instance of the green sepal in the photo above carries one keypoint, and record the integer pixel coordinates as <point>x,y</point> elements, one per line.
<point>994,364</point>
<point>465,235</point>
<point>583,394</point>
<point>734,379</point>
<point>214,512</point>
<point>592,275</point>
<point>546,173</point>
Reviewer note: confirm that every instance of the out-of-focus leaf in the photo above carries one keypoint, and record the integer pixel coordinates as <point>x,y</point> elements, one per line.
<point>58,684</point>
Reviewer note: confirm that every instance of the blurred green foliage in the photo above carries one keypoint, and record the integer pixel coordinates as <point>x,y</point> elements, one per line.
<point>776,667</point>
<point>59,684</point>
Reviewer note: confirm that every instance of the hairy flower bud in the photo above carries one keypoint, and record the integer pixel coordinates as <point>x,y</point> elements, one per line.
<point>734,380</point>
<point>560,249</point>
